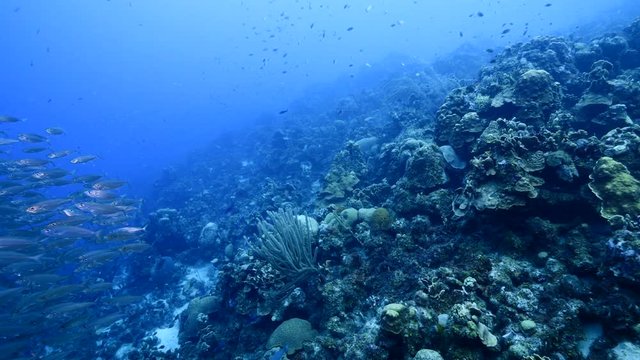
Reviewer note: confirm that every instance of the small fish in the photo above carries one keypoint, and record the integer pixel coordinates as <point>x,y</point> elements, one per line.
<point>505,31</point>
<point>67,307</point>
<point>98,256</point>
<point>46,205</point>
<point>72,212</point>
<point>490,51</point>
<point>9,119</point>
<point>74,232</point>
<point>99,194</point>
<point>350,28</point>
<point>50,174</point>
<point>460,33</point>
<point>31,162</point>
<point>56,182</point>
<point>59,292</point>
<point>547,4</point>
<point>283,111</point>
<point>480,14</point>
<point>106,321</point>
<point>9,257</point>
<point>95,208</point>
<point>125,233</point>
<point>70,221</point>
<point>54,131</point>
<point>4,141</point>
<point>98,287</point>
<point>59,154</point>
<point>86,179</point>
<point>134,247</point>
<point>15,242</point>
<point>39,280</point>
<point>32,150</point>
<point>83,159</point>
<point>125,300</point>
<point>31,138</point>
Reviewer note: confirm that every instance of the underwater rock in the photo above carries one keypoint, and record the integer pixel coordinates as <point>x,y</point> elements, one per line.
<point>564,165</point>
<point>623,144</point>
<point>452,126</point>
<point>612,46</point>
<point>617,189</point>
<point>488,339</point>
<point>538,94</point>
<point>452,158</point>
<point>165,231</point>
<point>427,354</point>
<point>345,173</point>
<point>528,326</point>
<point>368,145</point>
<point>396,318</point>
<point>623,255</point>
<point>291,333</point>
<point>467,322</point>
<point>585,55</point>
<point>626,351</point>
<point>334,221</point>
<point>310,223</point>
<point>196,316</point>
<point>594,104</point>
<point>425,168</point>
<point>632,32</point>
<point>613,117</point>
<point>377,218</point>
<point>209,235</point>
<point>339,185</point>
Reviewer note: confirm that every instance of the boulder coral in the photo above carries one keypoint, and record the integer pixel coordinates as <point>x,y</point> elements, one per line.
<point>618,190</point>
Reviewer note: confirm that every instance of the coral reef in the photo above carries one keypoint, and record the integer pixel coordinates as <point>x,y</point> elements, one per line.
<point>497,222</point>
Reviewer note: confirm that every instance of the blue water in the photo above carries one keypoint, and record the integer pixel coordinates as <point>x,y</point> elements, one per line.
<point>153,86</point>
<point>142,83</point>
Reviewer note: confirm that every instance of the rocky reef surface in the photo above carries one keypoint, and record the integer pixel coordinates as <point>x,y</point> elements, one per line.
<point>427,218</point>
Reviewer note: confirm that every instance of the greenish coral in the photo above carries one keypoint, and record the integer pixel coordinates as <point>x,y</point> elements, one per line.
<point>194,318</point>
<point>339,184</point>
<point>291,333</point>
<point>377,218</point>
<point>618,190</point>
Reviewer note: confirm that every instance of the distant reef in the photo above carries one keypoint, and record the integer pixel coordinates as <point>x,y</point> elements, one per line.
<point>430,217</point>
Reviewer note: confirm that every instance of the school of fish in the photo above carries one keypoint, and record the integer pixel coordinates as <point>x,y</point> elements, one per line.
<point>61,235</point>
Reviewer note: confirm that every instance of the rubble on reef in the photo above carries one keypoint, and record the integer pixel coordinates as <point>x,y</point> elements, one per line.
<point>498,219</point>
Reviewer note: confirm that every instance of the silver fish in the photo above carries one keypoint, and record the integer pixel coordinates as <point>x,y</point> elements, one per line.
<point>68,231</point>
<point>59,154</point>
<point>97,208</point>
<point>4,141</point>
<point>125,233</point>
<point>49,174</point>
<point>83,159</point>
<point>7,242</point>
<point>8,119</point>
<point>46,205</point>
<point>32,150</point>
<point>54,131</point>
<point>31,162</point>
<point>108,184</point>
<point>99,194</point>
<point>31,138</point>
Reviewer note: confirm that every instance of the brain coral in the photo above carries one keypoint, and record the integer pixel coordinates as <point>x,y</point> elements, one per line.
<point>292,333</point>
